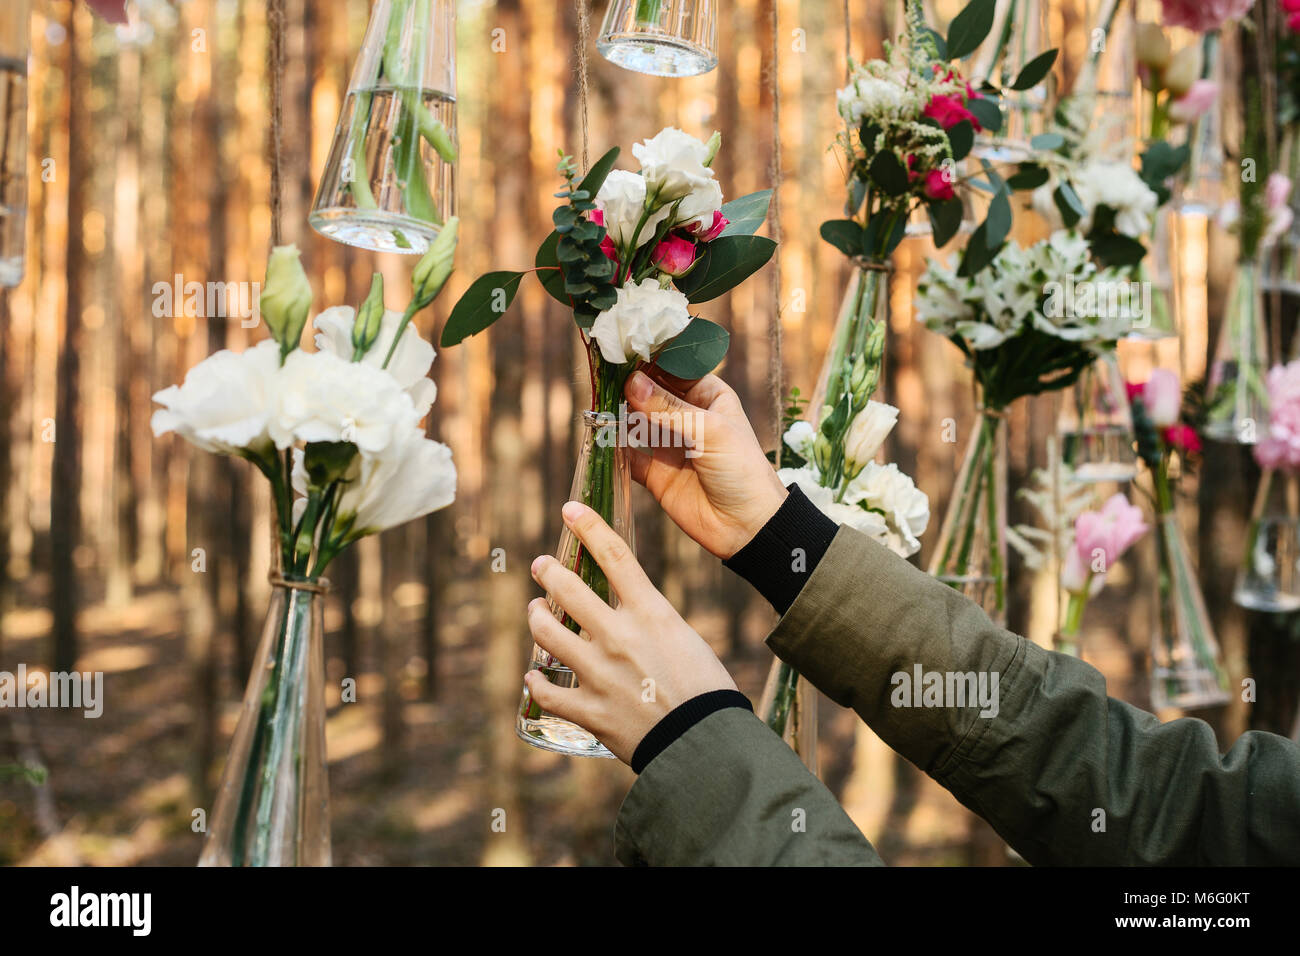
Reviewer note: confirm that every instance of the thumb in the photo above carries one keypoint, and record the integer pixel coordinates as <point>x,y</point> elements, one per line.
<point>647,396</point>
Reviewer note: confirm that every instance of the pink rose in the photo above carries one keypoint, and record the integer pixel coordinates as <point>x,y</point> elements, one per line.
<point>1100,540</point>
<point>1195,103</point>
<point>607,244</point>
<point>114,11</point>
<point>674,255</point>
<point>1183,438</point>
<point>1203,16</point>
<point>720,222</point>
<point>1163,398</point>
<point>1134,389</point>
<point>948,111</point>
<point>938,185</point>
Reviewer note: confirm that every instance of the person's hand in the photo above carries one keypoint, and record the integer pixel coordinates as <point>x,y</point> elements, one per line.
<point>642,659</point>
<point>717,485</point>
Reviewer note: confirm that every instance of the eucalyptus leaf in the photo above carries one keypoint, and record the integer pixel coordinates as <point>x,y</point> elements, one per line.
<point>696,351</point>
<point>725,263</point>
<point>548,269</point>
<point>961,138</point>
<point>1069,204</point>
<point>746,214</point>
<point>845,235</point>
<point>1034,71</point>
<point>1028,176</point>
<point>945,219</point>
<point>1048,142</point>
<point>485,301</point>
<point>888,173</point>
<point>987,111</point>
<point>998,222</point>
<point>969,28</point>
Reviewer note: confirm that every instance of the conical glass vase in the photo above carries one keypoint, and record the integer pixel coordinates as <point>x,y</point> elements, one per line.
<point>789,707</point>
<point>661,37</point>
<point>1096,426</point>
<point>390,180</point>
<point>1157,278</point>
<point>1236,396</point>
<point>1203,189</point>
<point>15,31</point>
<point>1269,578</point>
<point>602,480</point>
<point>272,806</point>
<point>1185,667</point>
<point>971,553</point>
<point>860,325</point>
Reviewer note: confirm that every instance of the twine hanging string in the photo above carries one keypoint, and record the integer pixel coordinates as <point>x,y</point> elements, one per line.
<point>776,370</point>
<point>848,44</point>
<point>275,70</point>
<point>584,37</point>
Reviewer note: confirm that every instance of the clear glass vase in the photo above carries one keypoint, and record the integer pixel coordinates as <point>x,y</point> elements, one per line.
<point>661,37</point>
<point>272,806</point>
<point>864,310</point>
<point>602,480</point>
<point>1096,426</point>
<point>1202,189</point>
<point>789,707</point>
<point>390,180</point>
<point>971,553</point>
<point>1019,33</point>
<point>1157,275</point>
<point>1269,577</point>
<point>15,29</point>
<point>1236,396</point>
<point>1185,667</point>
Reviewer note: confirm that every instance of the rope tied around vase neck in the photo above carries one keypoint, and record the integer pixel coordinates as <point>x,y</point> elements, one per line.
<point>318,586</point>
<point>869,264</point>
<point>1001,414</point>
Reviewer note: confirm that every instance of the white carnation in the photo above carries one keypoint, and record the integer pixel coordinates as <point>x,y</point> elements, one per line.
<point>411,362</point>
<point>904,507</point>
<point>226,402</point>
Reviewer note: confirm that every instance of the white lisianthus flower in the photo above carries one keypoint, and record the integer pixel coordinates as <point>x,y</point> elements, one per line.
<point>322,397</point>
<point>905,508</point>
<point>868,431</point>
<point>642,320</point>
<point>1115,184</point>
<point>696,210</point>
<point>880,98</point>
<point>226,402</point>
<point>621,200</point>
<point>673,164</point>
<point>411,362</point>
<point>414,477</point>
<point>799,438</point>
<point>869,523</point>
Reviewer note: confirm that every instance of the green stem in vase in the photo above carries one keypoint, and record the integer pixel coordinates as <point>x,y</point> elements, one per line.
<point>647,12</point>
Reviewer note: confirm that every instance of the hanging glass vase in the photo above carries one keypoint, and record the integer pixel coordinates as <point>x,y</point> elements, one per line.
<point>971,553</point>
<point>1269,577</point>
<point>864,308</point>
<point>1096,426</point>
<point>789,707</point>
<point>1185,668</point>
<point>661,37</point>
<point>390,180</point>
<point>1236,397</point>
<point>1283,257</point>
<point>1019,34</point>
<point>1202,190</point>
<point>272,806</point>
<point>602,480</point>
<point>1157,278</point>
<point>15,28</point>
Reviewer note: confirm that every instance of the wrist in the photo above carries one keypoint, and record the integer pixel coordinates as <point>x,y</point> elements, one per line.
<point>756,518</point>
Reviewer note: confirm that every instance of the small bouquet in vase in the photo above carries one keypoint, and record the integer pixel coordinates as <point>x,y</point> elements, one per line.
<point>630,254</point>
<point>337,432</point>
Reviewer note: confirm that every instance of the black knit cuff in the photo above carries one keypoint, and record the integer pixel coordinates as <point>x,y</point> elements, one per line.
<point>781,557</point>
<point>681,719</point>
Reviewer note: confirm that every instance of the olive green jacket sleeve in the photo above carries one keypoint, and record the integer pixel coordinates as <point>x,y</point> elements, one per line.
<point>729,792</point>
<point>1066,774</point>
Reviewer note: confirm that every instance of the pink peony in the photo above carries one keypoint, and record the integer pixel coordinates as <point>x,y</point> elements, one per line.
<point>1280,447</point>
<point>938,185</point>
<point>674,255</point>
<point>1162,396</point>
<point>949,111</point>
<point>1204,16</point>
<point>1195,103</point>
<point>1100,540</point>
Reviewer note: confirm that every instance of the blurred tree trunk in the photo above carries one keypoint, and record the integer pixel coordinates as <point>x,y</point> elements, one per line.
<point>6,463</point>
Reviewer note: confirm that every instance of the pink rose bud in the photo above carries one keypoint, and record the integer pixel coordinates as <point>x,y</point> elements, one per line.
<point>1182,437</point>
<point>607,244</point>
<point>1195,103</point>
<point>1163,398</point>
<point>938,185</point>
<point>720,222</point>
<point>674,255</point>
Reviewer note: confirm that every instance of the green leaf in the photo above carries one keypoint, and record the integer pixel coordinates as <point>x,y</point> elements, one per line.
<point>695,352</point>
<point>1034,71</point>
<point>961,138</point>
<point>485,301</point>
<point>930,35</point>
<point>978,253</point>
<point>746,214</point>
<point>1069,204</point>
<point>874,244</point>
<point>595,177</point>
<point>845,235</point>
<point>987,111</point>
<point>945,220</point>
<point>1116,249</point>
<point>548,269</point>
<point>888,172</point>
<point>1028,176</point>
<point>1048,142</point>
<point>725,263</point>
<point>969,28</point>
<point>998,222</point>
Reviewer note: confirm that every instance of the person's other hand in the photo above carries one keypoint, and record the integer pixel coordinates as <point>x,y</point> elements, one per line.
<point>717,484</point>
<point>642,659</point>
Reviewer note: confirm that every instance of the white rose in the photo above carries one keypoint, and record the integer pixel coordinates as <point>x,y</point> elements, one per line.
<point>673,164</point>
<point>905,508</point>
<point>868,431</point>
<point>226,401</point>
<point>621,200</point>
<point>642,319</point>
<point>799,438</point>
<point>322,397</point>
<point>411,362</point>
<point>697,209</point>
<point>414,477</point>
<point>868,522</point>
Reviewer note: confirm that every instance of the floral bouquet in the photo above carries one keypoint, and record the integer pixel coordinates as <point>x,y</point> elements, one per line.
<point>337,432</point>
<point>1030,322</point>
<point>630,254</point>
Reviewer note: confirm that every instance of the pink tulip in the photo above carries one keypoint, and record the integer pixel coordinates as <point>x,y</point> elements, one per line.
<point>114,11</point>
<point>1195,103</point>
<point>720,222</point>
<point>1100,540</point>
<point>1162,396</point>
<point>674,255</point>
